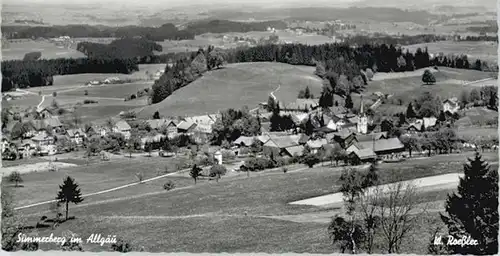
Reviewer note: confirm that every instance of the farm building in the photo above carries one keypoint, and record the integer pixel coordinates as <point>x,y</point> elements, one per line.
<point>384,146</point>
<point>362,156</point>
<point>157,124</point>
<point>451,106</point>
<point>300,105</point>
<point>123,128</point>
<point>244,141</point>
<point>76,135</point>
<point>371,136</point>
<point>293,151</point>
<point>315,145</point>
<point>186,127</point>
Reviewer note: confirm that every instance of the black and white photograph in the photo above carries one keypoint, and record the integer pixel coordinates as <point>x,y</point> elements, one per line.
<point>249,126</point>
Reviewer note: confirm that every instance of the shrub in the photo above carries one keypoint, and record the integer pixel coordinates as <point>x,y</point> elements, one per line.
<point>54,94</point>
<point>87,101</point>
<point>61,111</point>
<point>121,246</point>
<point>310,160</point>
<point>169,185</point>
<point>15,177</point>
<point>284,169</point>
<point>228,154</point>
<point>217,171</point>
<point>86,93</point>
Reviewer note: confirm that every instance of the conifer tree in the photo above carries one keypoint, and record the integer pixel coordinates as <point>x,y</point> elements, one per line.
<point>473,210</point>
<point>348,102</point>
<point>410,112</point>
<point>69,192</point>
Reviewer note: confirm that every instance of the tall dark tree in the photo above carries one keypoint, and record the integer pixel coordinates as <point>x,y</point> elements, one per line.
<point>348,102</point>
<point>69,193</point>
<point>156,115</point>
<point>473,210</point>
<point>428,77</point>
<point>195,173</point>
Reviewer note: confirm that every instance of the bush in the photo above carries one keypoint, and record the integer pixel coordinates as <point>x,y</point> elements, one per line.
<point>169,185</point>
<point>61,111</point>
<point>217,171</point>
<point>86,93</point>
<point>87,101</point>
<point>284,169</point>
<point>310,160</point>
<point>228,154</point>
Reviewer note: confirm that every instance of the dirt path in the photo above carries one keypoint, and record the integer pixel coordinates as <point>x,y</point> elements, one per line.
<point>427,183</point>
<point>271,94</point>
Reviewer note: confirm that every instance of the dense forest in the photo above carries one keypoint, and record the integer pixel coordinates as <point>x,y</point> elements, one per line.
<point>164,32</point>
<point>121,48</point>
<point>24,73</point>
<point>385,39</point>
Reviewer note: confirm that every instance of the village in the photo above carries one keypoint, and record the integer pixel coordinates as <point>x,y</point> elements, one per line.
<point>356,137</point>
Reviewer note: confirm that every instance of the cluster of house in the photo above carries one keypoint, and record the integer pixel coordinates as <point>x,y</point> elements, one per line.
<point>198,127</point>
<point>39,134</point>
<point>361,147</point>
<point>340,129</point>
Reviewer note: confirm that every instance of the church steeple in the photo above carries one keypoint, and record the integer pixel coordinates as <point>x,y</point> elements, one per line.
<point>361,107</point>
<point>362,126</point>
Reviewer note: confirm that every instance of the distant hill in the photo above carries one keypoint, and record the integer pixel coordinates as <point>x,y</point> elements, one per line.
<point>379,14</point>
<point>237,85</point>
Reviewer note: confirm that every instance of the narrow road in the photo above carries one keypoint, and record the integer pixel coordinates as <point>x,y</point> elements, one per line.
<point>271,94</point>
<point>41,102</point>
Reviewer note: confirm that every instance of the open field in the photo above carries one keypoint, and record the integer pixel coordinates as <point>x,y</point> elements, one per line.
<point>109,90</point>
<point>15,50</point>
<point>449,83</point>
<point>218,40</point>
<point>216,210</point>
<point>234,86</point>
<point>486,51</point>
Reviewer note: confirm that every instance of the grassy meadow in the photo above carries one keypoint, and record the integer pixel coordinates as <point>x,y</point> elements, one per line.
<point>486,51</point>
<point>215,210</point>
<point>237,85</point>
<point>16,49</point>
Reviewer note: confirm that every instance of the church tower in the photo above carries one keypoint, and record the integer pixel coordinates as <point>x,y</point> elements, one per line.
<point>362,126</point>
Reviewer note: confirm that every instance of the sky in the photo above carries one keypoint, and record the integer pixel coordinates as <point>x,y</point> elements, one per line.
<point>173,3</point>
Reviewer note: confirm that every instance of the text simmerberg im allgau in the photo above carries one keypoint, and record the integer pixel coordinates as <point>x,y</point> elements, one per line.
<point>92,239</point>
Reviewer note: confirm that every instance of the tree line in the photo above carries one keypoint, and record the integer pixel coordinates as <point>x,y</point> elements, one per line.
<point>165,32</point>
<point>34,73</point>
<point>385,39</point>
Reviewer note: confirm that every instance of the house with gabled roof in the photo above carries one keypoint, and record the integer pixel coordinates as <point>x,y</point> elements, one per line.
<point>244,141</point>
<point>451,105</point>
<point>383,146</point>
<point>43,113</point>
<point>186,127</point>
<point>293,151</point>
<point>76,135</point>
<point>362,156</point>
<point>122,127</point>
<point>315,145</point>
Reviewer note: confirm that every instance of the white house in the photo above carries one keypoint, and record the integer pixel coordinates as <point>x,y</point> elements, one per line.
<point>451,105</point>
<point>76,135</point>
<point>123,128</point>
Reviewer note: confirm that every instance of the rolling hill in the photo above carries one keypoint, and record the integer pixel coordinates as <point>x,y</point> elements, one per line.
<point>235,86</point>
